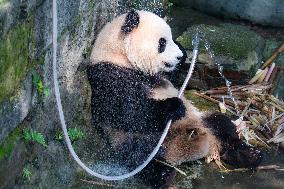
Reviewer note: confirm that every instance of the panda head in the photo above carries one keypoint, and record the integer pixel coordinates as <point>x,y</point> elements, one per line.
<point>139,40</point>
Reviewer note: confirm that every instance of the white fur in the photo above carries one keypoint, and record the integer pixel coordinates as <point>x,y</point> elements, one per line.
<point>139,48</point>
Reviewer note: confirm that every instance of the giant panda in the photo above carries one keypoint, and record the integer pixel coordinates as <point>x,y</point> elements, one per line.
<point>131,94</point>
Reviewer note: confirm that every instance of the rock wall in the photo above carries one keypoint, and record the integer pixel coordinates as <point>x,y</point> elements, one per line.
<point>264,12</point>
<point>26,36</point>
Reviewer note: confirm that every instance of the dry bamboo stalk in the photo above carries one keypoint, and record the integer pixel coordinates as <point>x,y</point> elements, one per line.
<point>277,101</point>
<point>261,111</point>
<point>234,170</point>
<point>260,107</point>
<point>97,183</point>
<point>216,91</point>
<point>246,109</point>
<point>269,167</point>
<point>262,76</point>
<point>253,111</point>
<point>269,72</point>
<point>258,168</point>
<point>169,165</point>
<point>256,77</point>
<point>273,56</point>
<point>275,118</point>
<point>277,106</point>
<point>229,108</point>
<point>220,96</point>
<point>273,75</point>
<point>238,88</point>
<point>207,97</point>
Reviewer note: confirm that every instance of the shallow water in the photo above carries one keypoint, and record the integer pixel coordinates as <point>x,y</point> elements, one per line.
<point>211,178</point>
<point>204,176</point>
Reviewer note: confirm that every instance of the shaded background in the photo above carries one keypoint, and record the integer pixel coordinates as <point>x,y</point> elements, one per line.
<point>243,33</point>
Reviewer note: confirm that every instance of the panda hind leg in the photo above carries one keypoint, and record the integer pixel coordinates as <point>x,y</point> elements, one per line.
<point>233,150</point>
<point>157,175</point>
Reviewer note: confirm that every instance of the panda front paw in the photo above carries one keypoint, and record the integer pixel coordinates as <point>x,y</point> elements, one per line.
<point>175,108</point>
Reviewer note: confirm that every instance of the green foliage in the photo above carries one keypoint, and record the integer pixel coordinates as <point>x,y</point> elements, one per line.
<point>17,57</point>
<point>33,136</point>
<point>26,173</point>
<point>73,133</point>
<point>8,145</point>
<point>14,59</point>
<point>42,90</point>
<point>2,2</point>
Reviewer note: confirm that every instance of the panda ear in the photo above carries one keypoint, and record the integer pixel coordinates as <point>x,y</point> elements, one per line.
<point>131,22</point>
<point>159,12</point>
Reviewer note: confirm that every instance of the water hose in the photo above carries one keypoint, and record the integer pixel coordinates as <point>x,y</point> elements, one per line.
<point>61,114</point>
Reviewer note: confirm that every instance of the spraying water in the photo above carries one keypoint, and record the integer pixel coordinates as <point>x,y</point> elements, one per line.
<point>221,72</point>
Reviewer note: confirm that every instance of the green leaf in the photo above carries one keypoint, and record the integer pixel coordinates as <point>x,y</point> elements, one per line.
<point>46,92</point>
<point>26,173</point>
<point>33,136</point>
<point>73,133</point>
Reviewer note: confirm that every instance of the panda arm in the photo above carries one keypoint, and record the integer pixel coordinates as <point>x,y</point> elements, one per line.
<point>170,108</point>
<point>120,99</point>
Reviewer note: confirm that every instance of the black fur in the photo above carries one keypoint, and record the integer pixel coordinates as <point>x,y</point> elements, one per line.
<point>222,127</point>
<point>161,12</point>
<point>157,175</point>
<point>131,21</point>
<point>234,151</point>
<point>120,99</point>
<point>175,75</point>
<point>184,54</point>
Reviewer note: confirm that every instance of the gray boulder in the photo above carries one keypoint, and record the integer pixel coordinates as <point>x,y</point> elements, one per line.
<point>264,12</point>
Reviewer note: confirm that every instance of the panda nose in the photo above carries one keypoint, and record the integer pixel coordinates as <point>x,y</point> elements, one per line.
<point>179,57</point>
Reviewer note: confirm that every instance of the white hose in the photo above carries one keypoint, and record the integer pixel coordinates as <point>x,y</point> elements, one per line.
<point>62,120</point>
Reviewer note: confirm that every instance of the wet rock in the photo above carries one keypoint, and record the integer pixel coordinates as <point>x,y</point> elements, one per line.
<point>264,12</point>
<point>280,87</point>
<point>14,111</point>
<point>9,167</point>
<point>180,18</point>
<point>157,6</point>
<point>236,48</point>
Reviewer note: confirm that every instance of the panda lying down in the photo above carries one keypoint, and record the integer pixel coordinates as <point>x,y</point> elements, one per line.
<point>131,94</point>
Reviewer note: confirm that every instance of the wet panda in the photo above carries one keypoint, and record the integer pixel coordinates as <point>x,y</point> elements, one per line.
<point>130,94</point>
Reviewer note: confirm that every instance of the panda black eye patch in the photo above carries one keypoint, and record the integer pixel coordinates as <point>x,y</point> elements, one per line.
<point>162,45</point>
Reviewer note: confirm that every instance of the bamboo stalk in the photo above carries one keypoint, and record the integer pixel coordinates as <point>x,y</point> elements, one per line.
<point>273,56</point>
<point>97,183</point>
<point>207,98</point>
<point>275,100</point>
<point>169,165</point>
<point>269,72</point>
<point>256,77</point>
<point>262,76</point>
<point>273,75</point>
